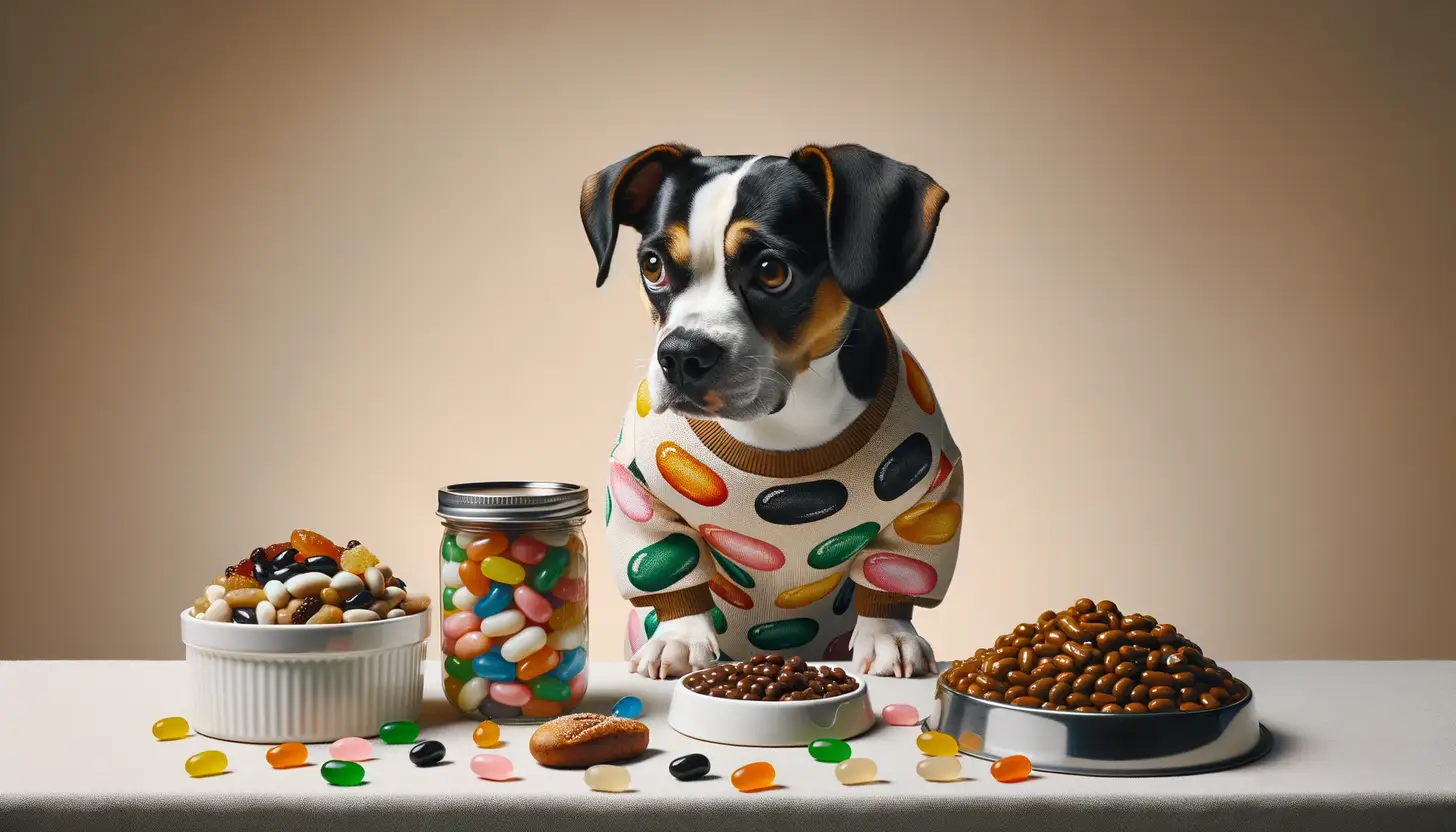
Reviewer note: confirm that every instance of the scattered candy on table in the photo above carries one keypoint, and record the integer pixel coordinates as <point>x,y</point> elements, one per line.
<point>828,750</point>
<point>900,714</point>
<point>753,777</point>
<point>1011,769</point>
<point>690,767</point>
<point>607,778</point>
<point>487,734</point>
<point>939,769</point>
<point>206,764</point>
<point>399,733</point>
<point>936,744</point>
<point>628,707</point>
<point>171,728</point>
<point>492,767</point>
<point>856,770</point>
<point>342,773</point>
<point>427,753</point>
<point>351,749</point>
<point>287,755</point>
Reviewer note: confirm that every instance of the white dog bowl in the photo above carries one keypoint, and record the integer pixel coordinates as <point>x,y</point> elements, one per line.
<point>770,724</point>
<point>272,684</point>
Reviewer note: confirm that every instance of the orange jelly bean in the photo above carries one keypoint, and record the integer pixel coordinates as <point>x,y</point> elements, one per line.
<point>287,755</point>
<point>689,476</point>
<point>541,661</point>
<point>1011,769</point>
<point>474,579</point>
<point>753,777</point>
<point>489,545</point>
<point>541,708</point>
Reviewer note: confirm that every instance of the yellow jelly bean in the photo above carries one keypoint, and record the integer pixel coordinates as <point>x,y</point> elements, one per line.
<point>487,734</point>
<point>644,399</point>
<point>930,524</point>
<point>569,615</point>
<point>939,769</point>
<point>206,764</point>
<point>803,596</point>
<point>689,476</point>
<point>936,744</point>
<point>503,570</point>
<point>171,728</point>
<point>918,384</point>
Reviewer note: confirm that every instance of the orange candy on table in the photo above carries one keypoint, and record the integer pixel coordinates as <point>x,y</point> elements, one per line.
<point>753,777</point>
<point>542,661</point>
<point>488,545</point>
<point>288,755</point>
<point>1011,769</point>
<point>474,579</point>
<point>311,543</point>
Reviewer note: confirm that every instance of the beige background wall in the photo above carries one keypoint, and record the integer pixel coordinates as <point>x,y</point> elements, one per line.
<point>1191,311</point>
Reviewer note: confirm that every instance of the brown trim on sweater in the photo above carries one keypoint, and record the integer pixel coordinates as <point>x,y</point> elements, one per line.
<point>785,464</point>
<point>679,603</point>
<point>872,603</point>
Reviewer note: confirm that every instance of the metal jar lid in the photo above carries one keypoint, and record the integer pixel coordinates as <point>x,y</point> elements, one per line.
<point>512,502</point>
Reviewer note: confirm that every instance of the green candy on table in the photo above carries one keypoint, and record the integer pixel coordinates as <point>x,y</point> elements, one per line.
<point>549,688</point>
<point>450,550</point>
<point>829,750</point>
<point>402,732</point>
<point>343,773</point>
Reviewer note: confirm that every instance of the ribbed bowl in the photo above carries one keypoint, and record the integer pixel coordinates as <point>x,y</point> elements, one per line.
<point>250,683</point>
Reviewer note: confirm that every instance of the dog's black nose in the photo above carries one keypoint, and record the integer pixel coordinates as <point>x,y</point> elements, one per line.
<point>688,359</point>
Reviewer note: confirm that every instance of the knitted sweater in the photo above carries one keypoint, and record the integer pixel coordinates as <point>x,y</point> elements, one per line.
<point>787,547</point>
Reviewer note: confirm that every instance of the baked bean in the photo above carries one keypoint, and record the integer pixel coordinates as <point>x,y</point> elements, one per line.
<point>1139,693</point>
<point>1161,692</point>
<point>1016,677</point>
<point>1153,659</point>
<point>1095,628</point>
<point>1124,670</point>
<point>1027,658</point>
<point>1087,710</point>
<point>1104,683</point>
<point>1040,687</point>
<point>1025,630</point>
<point>1100,699</point>
<point>1158,706</point>
<point>1001,667</point>
<point>1077,650</point>
<point>1046,616</point>
<point>1067,677</point>
<point>1020,642</point>
<point>1026,702</point>
<point>1165,633</point>
<point>1083,683</point>
<point>1142,637</point>
<point>1123,689</point>
<point>1185,678</point>
<point>1084,606</point>
<point>1112,708</point>
<point>1059,693</point>
<point>1135,708</point>
<point>1110,639</point>
<point>1154,677</point>
<point>1187,695</point>
<point>1015,692</point>
<point>1190,706</point>
<point>1045,649</point>
<point>1067,662</point>
<point>1047,706</point>
<point>994,696</point>
<point>1044,670</point>
<point>1069,626</point>
<point>1106,606</point>
<point>1078,700</point>
<point>1111,661</point>
<point>1208,700</point>
<point>1006,652</point>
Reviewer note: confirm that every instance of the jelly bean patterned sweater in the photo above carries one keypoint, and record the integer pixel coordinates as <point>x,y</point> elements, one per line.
<point>785,548</point>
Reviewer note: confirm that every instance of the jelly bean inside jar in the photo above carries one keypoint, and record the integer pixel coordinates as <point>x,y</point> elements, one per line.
<point>171,728</point>
<point>206,764</point>
<point>753,777</point>
<point>1011,769</point>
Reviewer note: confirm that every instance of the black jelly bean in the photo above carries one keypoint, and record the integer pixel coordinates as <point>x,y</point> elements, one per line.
<point>283,573</point>
<point>901,468</point>
<point>691,767</point>
<point>286,557</point>
<point>801,502</point>
<point>262,574</point>
<point>358,600</point>
<point>245,615</point>
<point>322,563</point>
<point>427,753</point>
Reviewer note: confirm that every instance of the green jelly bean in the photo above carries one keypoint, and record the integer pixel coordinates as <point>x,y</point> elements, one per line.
<point>664,563</point>
<point>402,732</point>
<point>649,624</point>
<point>739,575</point>
<point>545,574</point>
<point>343,773</point>
<point>781,635</point>
<point>550,688</point>
<point>636,472</point>
<point>450,550</point>
<point>720,622</point>
<point>829,750</point>
<point>843,546</point>
<point>447,595</point>
<point>609,507</point>
<point>459,669</point>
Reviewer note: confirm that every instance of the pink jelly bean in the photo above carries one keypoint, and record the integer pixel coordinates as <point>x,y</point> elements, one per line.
<point>460,623</point>
<point>528,550</point>
<point>898,574</point>
<point>532,604</point>
<point>636,632</point>
<point>628,494</point>
<point>492,767</point>
<point>513,694</point>
<point>749,551</point>
<point>447,644</point>
<point>900,714</point>
<point>470,645</point>
<point>577,686</point>
<point>353,749</point>
<point>570,589</point>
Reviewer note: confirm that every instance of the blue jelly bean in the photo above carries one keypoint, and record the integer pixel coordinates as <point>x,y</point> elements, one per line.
<point>572,662</point>
<point>628,707</point>
<point>491,665</point>
<point>497,599</point>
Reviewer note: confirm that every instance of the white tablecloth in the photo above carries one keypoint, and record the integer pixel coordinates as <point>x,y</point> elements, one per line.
<point>76,753</point>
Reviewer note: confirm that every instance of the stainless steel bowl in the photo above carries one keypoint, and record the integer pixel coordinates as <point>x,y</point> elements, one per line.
<point>1106,745</point>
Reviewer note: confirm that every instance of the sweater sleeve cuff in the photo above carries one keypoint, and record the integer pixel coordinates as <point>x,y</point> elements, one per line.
<point>872,603</point>
<point>679,603</point>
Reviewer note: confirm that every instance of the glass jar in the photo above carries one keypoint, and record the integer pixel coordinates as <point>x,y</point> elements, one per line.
<point>513,591</point>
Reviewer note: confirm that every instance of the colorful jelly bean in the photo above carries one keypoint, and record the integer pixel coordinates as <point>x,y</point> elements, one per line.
<point>450,575</point>
<point>473,580</point>
<point>472,693</point>
<point>784,634</point>
<point>605,778</point>
<point>803,596</point>
<point>503,570</point>
<point>532,604</point>
<point>513,694</point>
<point>492,767</point>
<point>447,599</point>
<point>486,734</point>
<point>523,644</point>
<point>496,600</point>
<point>567,639</point>
<point>539,662</point>
<point>427,753</point>
<point>899,574</point>
<point>856,770</point>
<point>903,467</point>
<point>342,773</point>
<point>450,550</point>
<point>492,666</point>
<point>287,755</point>
<point>662,564</point>
<point>570,615</point>
<point>459,669</point>
<point>464,599</point>
<point>171,728</point>
<point>690,767</point>
<point>488,544</point>
<point>470,645</point>
<point>549,688</point>
<point>544,576</point>
<point>502,624</point>
<point>753,777</point>
<point>828,750</point>
<point>936,744</point>
<point>843,546</point>
<point>628,494</point>
<point>801,502</point>
<point>1011,769</point>
<point>527,550</point>
<point>206,764</point>
<point>939,769</point>
<point>572,662</point>
<point>900,714</point>
<point>628,707</point>
<point>351,749</point>
<point>452,687</point>
<point>918,384</point>
<point>460,623</point>
<point>930,524</point>
<point>689,477</point>
<point>748,551</point>
<point>570,589</point>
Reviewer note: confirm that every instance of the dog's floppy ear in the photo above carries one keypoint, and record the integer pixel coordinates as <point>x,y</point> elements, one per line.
<point>621,193</point>
<point>881,214</point>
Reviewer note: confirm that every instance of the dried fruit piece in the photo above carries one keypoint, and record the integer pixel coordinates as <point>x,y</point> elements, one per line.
<point>327,614</point>
<point>310,543</point>
<point>357,559</point>
<point>275,550</point>
<point>239,581</point>
<point>306,610</point>
<point>244,567</point>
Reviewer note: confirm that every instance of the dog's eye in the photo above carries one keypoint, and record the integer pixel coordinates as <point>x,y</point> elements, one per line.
<point>652,271</point>
<point>772,274</point>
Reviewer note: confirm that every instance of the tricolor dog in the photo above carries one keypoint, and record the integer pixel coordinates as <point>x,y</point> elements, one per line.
<point>784,480</point>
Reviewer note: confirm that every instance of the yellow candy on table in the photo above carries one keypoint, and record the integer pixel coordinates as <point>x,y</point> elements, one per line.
<point>487,734</point>
<point>939,769</point>
<point>171,728</point>
<point>206,764</point>
<point>936,744</point>
<point>856,770</point>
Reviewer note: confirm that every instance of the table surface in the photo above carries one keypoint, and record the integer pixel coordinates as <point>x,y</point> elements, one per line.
<point>76,752</point>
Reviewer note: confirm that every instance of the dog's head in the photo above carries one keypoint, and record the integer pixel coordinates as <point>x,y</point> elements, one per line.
<point>751,267</point>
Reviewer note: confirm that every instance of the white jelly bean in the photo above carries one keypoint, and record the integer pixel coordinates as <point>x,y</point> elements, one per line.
<point>385,572</point>
<point>450,576</point>
<point>393,596</point>
<point>347,583</point>
<point>360,616</point>
<point>395,613</point>
<point>277,594</point>
<point>214,592</point>
<point>464,599</point>
<point>463,540</point>
<point>577,567</point>
<point>503,624</point>
<point>218,611</point>
<point>557,538</point>
<point>306,585</point>
<point>568,639</point>
<point>523,644</point>
<point>267,613</point>
<point>374,582</point>
<point>472,694</point>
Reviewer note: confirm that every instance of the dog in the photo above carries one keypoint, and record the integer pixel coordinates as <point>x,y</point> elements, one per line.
<point>784,480</point>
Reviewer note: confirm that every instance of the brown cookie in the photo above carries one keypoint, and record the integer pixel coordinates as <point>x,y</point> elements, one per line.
<point>581,740</point>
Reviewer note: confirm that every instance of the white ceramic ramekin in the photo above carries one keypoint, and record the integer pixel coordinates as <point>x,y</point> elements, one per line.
<point>770,724</point>
<point>251,683</point>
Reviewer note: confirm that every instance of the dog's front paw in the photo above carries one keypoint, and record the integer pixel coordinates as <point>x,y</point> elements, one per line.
<point>679,646</point>
<point>890,647</point>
